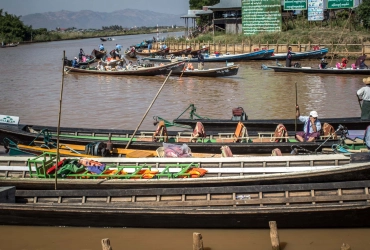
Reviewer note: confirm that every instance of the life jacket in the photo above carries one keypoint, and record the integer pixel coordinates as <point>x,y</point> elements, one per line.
<point>161,132</point>
<point>280,132</point>
<point>328,130</point>
<point>190,66</point>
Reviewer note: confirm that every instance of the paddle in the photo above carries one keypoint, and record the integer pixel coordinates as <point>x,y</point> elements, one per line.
<point>133,134</point>
<point>296,104</point>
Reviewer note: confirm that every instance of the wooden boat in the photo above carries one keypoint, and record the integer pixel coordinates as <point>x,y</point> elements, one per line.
<point>307,205</point>
<point>130,53</point>
<point>239,142</point>
<point>311,54</point>
<point>33,173</point>
<point>98,54</point>
<point>138,71</point>
<point>212,72</point>
<point>180,52</point>
<point>352,123</point>
<point>202,50</point>
<point>146,52</point>
<point>216,57</point>
<point>310,70</point>
<point>103,39</point>
<point>111,62</point>
<point>89,60</point>
<point>9,45</point>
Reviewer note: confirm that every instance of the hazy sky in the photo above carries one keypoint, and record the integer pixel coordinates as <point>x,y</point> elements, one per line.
<point>25,7</point>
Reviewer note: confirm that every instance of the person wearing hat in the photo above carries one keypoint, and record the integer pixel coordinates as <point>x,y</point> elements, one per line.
<point>363,94</point>
<point>311,127</point>
<point>75,63</point>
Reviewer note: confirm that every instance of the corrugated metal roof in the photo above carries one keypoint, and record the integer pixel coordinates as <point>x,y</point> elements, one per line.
<point>227,4</point>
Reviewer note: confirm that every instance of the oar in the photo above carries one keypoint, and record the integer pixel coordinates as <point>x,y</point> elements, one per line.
<point>296,103</point>
<point>133,134</point>
<point>183,70</point>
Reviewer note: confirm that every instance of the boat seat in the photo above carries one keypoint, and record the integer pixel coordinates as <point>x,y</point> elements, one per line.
<point>198,133</point>
<point>240,135</point>
<point>280,135</point>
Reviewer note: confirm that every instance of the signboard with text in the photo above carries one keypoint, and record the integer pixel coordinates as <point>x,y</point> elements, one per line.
<point>295,4</point>
<point>340,4</point>
<point>315,10</point>
<point>261,16</point>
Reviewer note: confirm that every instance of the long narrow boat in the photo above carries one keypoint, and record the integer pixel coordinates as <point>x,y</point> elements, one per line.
<point>211,72</point>
<point>98,54</point>
<point>310,70</point>
<point>239,143</point>
<point>33,173</point>
<point>138,71</point>
<point>351,123</point>
<point>130,53</point>
<point>216,58</point>
<point>202,50</point>
<point>10,45</point>
<point>152,52</point>
<point>311,54</point>
<point>307,205</point>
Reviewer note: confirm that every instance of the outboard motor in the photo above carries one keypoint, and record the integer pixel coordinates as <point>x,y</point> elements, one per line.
<point>239,114</point>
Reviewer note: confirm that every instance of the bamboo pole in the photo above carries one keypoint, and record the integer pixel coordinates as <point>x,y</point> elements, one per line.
<point>274,236</point>
<point>59,117</point>
<point>159,91</point>
<point>197,241</point>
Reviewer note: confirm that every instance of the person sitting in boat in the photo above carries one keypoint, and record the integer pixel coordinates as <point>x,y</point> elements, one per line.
<point>311,128</point>
<point>101,47</point>
<point>190,66</point>
<point>288,62</point>
<point>80,55</point>
<point>114,54</point>
<point>363,95</point>
<point>75,63</point>
<point>100,66</point>
<point>130,66</point>
<point>323,63</point>
<point>360,62</point>
<point>200,61</point>
<point>118,47</point>
<point>344,62</point>
<point>149,47</point>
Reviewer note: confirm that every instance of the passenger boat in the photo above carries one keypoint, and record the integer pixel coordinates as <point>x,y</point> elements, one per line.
<point>138,70</point>
<point>230,70</point>
<point>311,70</point>
<point>216,57</point>
<point>98,54</point>
<point>141,52</point>
<point>311,54</point>
<point>38,172</point>
<point>303,205</point>
<point>130,53</point>
<point>240,141</point>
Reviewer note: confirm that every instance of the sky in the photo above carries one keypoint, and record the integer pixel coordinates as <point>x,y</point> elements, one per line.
<point>25,7</point>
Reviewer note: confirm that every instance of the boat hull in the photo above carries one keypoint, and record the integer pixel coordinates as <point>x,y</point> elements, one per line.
<point>309,70</point>
<point>215,72</point>
<point>311,54</point>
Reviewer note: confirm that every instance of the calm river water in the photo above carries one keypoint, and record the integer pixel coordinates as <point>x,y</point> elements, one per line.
<point>30,84</point>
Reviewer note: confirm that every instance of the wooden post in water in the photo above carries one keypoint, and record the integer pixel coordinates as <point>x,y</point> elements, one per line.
<point>105,243</point>
<point>59,116</point>
<point>197,241</point>
<point>159,91</point>
<point>345,246</point>
<point>275,243</point>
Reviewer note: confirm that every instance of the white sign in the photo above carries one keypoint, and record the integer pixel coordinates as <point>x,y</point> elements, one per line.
<point>9,119</point>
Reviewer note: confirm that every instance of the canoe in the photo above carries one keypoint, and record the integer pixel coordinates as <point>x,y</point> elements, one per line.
<point>216,58</point>
<point>311,70</point>
<point>152,52</point>
<point>311,54</point>
<point>130,53</point>
<point>253,143</point>
<point>98,54</point>
<point>138,71</point>
<point>33,172</point>
<point>307,205</point>
<point>9,45</point>
<point>212,72</point>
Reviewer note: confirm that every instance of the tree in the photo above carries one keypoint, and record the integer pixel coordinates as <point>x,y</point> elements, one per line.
<point>363,13</point>
<point>12,28</point>
<point>198,4</point>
